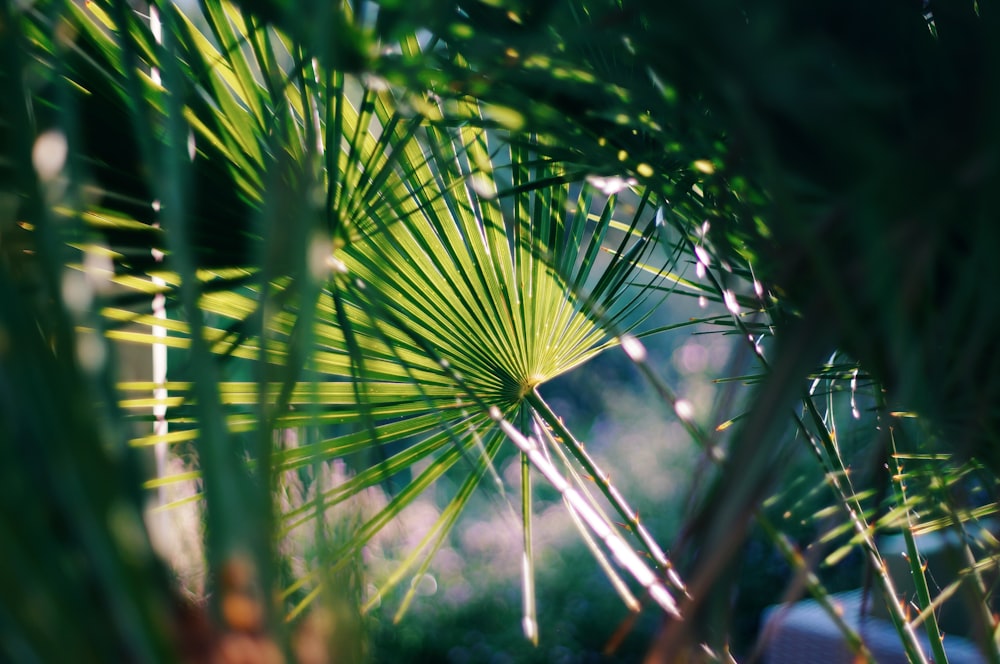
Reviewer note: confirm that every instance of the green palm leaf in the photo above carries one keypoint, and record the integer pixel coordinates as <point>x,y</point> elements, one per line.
<point>401,280</point>
<point>378,230</point>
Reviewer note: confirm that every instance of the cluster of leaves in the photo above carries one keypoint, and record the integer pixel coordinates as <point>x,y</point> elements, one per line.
<point>385,225</point>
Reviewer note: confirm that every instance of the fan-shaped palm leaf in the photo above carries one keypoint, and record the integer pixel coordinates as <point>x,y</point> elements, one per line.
<point>403,287</point>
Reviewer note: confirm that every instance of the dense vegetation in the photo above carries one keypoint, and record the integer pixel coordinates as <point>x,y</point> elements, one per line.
<point>358,241</point>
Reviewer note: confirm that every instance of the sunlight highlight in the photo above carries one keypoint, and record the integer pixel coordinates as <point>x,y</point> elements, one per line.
<point>729,297</point>
<point>634,348</point>
<point>612,184</point>
<point>684,410</point>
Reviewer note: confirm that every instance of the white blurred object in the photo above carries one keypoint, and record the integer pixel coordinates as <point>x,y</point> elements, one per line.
<point>803,633</point>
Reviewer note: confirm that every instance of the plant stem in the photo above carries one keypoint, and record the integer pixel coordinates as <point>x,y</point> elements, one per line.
<point>913,558</point>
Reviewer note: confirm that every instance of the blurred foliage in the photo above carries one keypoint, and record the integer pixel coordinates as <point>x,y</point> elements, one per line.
<point>379,228</point>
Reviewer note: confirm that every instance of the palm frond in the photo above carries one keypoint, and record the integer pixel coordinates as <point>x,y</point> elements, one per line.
<point>392,272</point>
